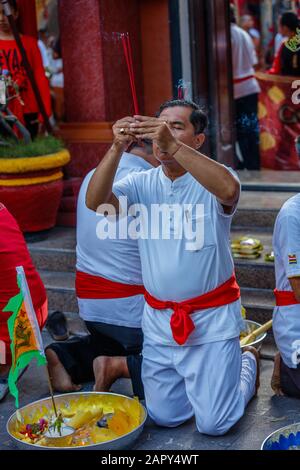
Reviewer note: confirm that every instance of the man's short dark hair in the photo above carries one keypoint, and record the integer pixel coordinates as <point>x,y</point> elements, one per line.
<point>198,117</point>
<point>290,20</point>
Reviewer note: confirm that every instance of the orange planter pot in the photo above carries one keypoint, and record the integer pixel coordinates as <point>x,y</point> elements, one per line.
<point>31,189</point>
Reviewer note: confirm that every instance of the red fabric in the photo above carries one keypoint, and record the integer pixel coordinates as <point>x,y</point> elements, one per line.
<point>285,298</point>
<point>181,323</point>
<point>276,66</point>
<point>96,287</point>
<point>29,210</point>
<point>10,59</point>
<point>27,17</point>
<point>241,80</point>
<point>13,253</point>
<point>279,121</point>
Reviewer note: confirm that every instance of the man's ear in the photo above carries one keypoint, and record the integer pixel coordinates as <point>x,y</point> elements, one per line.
<point>200,139</point>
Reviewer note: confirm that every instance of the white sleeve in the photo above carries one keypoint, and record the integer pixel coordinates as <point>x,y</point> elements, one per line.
<point>251,49</point>
<point>220,207</point>
<point>126,188</point>
<point>289,242</point>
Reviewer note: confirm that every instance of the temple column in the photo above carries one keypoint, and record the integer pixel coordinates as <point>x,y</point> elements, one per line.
<point>27,17</point>
<point>97,88</point>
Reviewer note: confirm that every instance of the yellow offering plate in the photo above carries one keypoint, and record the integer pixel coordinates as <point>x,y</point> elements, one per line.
<point>123,419</point>
<point>246,247</point>
<point>251,326</point>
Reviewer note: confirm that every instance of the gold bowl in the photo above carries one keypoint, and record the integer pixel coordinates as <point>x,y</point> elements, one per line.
<point>125,417</point>
<point>60,440</point>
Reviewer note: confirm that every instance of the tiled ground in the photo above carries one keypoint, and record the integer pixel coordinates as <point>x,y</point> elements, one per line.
<point>264,415</point>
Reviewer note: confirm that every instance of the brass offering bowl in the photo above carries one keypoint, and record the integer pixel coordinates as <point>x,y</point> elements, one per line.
<point>83,409</point>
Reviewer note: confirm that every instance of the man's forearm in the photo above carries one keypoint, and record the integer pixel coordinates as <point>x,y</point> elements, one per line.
<point>100,187</point>
<point>210,174</point>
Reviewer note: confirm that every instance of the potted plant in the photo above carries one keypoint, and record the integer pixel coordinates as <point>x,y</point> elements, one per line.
<point>31,177</point>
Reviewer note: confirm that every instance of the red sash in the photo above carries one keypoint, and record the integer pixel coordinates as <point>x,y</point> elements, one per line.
<point>285,298</point>
<point>241,80</point>
<point>96,287</point>
<point>181,323</point>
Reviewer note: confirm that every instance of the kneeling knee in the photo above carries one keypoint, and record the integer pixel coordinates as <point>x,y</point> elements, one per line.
<point>212,426</point>
<point>166,421</point>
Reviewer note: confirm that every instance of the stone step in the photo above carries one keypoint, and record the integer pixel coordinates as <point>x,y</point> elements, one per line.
<point>61,291</point>
<point>270,181</point>
<point>259,209</point>
<point>259,304</point>
<point>257,273</point>
<point>57,252</point>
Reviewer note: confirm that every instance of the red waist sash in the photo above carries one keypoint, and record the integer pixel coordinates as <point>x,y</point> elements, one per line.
<point>285,298</point>
<point>96,287</point>
<point>181,323</point>
<point>241,80</point>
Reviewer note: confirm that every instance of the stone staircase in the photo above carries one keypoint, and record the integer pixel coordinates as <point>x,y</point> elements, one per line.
<point>55,258</point>
<point>256,216</point>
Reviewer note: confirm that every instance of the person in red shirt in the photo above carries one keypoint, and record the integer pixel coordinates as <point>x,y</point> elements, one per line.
<point>287,62</point>
<point>11,60</point>
<point>13,253</point>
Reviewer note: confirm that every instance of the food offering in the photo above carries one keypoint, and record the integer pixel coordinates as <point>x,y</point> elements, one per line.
<point>83,420</point>
<point>254,334</point>
<point>246,248</point>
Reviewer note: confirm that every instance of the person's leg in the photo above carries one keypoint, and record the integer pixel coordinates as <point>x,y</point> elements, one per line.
<point>275,380</point>
<point>290,380</point>
<point>134,365</point>
<point>61,380</point>
<point>70,363</point>
<point>247,129</point>
<point>166,399</point>
<point>219,381</point>
<point>121,359</point>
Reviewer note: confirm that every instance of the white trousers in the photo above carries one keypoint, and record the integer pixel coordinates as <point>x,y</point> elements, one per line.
<point>212,381</point>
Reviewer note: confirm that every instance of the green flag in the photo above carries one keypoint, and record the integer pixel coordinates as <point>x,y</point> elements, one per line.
<point>24,332</point>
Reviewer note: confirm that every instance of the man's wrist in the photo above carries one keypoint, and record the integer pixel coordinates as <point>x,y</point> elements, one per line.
<point>174,147</point>
<point>118,146</point>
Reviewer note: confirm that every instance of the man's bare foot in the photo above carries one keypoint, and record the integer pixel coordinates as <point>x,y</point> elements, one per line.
<point>275,380</point>
<point>107,370</point>
<point>60,379</point>
<point>257,357</point>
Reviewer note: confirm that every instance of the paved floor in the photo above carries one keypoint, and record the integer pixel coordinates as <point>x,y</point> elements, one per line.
<point>264,415</point>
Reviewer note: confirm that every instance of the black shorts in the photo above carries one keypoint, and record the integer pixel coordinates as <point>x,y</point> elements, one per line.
<point>290,380</point>
<point>77,354</point>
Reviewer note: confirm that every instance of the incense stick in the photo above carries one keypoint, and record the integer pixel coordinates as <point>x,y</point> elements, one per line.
<point>51,391</point>
<point>129,62</point>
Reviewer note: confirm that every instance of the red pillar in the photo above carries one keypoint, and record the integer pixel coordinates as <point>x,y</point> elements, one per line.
<point>97,87</point>
<point>27,17</point>
<point>96,80</point>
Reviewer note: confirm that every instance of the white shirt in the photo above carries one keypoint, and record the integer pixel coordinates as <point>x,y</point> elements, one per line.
<point>57,78</point>
<point>279,40</point>
<point>170,271</point>
<point>286,244</point>
<point>117,260</point>
<point>244,57</point>
<point>254,33</point>
<point>44,53</point>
